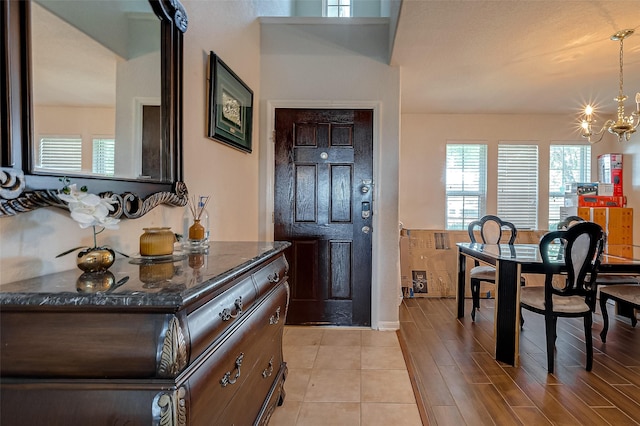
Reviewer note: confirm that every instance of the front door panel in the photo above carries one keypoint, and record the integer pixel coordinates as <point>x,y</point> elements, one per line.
<point>323,205</point>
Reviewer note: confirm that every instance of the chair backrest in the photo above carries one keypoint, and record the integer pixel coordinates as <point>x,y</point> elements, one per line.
<point>569,221</point>
<point>492,229</point>
<point>583,244</point>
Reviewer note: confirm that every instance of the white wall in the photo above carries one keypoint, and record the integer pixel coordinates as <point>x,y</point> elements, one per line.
<point>423,152</point>
<point>301,70</point>
<point>631,179</point>
<point>83,122</point>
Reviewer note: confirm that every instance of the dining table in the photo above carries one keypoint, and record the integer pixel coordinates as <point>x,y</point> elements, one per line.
<point>512,260</point>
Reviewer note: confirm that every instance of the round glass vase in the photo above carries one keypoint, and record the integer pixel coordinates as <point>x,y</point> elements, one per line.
<point>95,259</point>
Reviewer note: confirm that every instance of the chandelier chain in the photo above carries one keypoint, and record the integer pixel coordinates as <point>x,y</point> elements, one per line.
<point>620,94</point>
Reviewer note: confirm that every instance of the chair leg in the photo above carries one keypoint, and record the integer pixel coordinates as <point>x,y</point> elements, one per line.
<point>588,322</point>
<point>475,296</point>
<point>550,323</point>
<point>522,283</point>
<point>605,317</point>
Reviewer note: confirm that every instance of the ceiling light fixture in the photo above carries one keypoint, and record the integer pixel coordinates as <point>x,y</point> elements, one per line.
<point>624,127</point>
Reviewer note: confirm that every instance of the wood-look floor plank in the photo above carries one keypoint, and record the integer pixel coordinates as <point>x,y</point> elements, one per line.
<point>615,417</point>
<point>434,387</point>
<point>470,369</point>
<point>612,393</point>
<point>531,416</point>
<point>448,415</point>
<point>465,343</point>
<point>570,377</point>
<point>499,409</point>
<point>460,383</point>
<point>581,411</point>
<point>606,369</point>
<point>510,391</point>
<point>631,391</point>
<point>472,408</point>
<point>404,313</point>
<point>555,412</point>
<point>438,351</point>
<point>416,382</point>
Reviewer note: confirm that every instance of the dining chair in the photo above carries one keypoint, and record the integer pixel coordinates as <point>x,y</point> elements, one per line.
<point>582,246</point>
<point>569,221</point>
<point>603,279</point>
<point>492,229</point>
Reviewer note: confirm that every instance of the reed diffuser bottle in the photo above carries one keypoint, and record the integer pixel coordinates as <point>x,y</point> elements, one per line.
<point>196,224</point>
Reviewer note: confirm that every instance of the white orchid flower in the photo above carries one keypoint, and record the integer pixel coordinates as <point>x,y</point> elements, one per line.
<point>89,209</point>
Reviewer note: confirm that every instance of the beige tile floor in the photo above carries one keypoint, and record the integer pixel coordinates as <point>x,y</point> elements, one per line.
<point>345,376</point>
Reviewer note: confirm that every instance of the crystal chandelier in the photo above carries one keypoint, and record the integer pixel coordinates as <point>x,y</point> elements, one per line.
<point>623,127</point>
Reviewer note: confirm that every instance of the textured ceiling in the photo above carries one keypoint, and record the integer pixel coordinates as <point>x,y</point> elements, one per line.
<point>514,56</point>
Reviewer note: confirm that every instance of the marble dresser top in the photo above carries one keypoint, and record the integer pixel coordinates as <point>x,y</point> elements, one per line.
<point>138,282</point>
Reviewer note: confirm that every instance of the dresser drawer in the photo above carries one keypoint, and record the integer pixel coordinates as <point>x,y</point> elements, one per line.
<point>219,376</point>
<point>271,274</point>
<point>208,323</point>
<point>245,407</point>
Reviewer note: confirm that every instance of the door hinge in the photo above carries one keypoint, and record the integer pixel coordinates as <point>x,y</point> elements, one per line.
<point>273,136</point>
<point>273,217</point>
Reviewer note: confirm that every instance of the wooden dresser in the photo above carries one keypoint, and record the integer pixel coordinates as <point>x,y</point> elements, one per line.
<point>193,341</point>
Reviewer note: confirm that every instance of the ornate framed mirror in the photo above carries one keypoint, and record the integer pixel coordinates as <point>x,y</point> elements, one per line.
<point>121,134</point>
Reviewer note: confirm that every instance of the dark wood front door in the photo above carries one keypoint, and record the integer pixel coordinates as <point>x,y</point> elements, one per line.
<point>323,205</point>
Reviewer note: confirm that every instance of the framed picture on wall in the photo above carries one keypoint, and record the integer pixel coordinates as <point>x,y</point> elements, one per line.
<point>230,106</point>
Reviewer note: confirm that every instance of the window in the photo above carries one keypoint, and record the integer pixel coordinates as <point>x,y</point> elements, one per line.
<point>104,151</point>
<point>518,185</point>
<point>567,164</point>
<point>466,183</point>
<point>338,8</point>
<point>60,153</point>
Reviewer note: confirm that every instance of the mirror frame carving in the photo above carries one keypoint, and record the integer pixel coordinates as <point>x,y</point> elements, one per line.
<point>21,191</point>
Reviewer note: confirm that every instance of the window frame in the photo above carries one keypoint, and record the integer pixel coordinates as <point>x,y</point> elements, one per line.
<point>326,6</point>
<point>480,193</point>
<point>584,172</point>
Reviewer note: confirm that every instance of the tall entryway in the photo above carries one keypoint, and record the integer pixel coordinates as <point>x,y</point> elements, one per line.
<point>323,204</point>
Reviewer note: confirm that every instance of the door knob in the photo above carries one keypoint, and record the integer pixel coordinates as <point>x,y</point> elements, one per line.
<point>366,229</point>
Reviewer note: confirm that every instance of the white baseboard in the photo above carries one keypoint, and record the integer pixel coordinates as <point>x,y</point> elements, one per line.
<point>388,325</point>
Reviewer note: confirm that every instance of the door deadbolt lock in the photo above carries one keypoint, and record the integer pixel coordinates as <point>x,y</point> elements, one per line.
<point>364,189</point>
<point>366,210</point>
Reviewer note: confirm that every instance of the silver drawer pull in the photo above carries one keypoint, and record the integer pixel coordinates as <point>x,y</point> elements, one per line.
<point>226,380</point>
<point>275,318</point>
<point>226,314</point>
<point>267,371</point>
<point>274,278</point>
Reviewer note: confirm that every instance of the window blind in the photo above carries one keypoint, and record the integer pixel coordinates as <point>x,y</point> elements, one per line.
<point>104,152</point>
<point>518,185</point>
<point>466,184</point>
<point>60,153</point>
